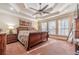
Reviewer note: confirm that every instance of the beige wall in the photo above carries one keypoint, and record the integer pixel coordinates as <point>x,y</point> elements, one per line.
<point>3,26</point>
<point>35,25</point>
<point>7,20</point>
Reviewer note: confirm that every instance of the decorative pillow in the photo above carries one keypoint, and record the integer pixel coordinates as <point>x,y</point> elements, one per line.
<point>24,33</point>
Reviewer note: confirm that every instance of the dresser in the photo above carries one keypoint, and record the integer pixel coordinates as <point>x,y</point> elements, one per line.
<point>2,44</point>
<point>11,38</point>
<point>77,29</point>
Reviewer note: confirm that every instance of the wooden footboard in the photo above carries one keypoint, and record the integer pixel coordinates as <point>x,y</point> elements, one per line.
<point>36,38</point>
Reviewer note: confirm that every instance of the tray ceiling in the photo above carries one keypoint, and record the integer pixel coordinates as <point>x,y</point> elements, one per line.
<point>23,9</point>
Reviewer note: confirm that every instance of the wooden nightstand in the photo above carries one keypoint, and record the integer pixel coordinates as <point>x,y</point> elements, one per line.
<point>11,38</point>
<point>2,44</point>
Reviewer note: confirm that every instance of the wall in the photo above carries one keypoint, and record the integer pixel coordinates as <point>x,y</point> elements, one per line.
<point>35,25</point>
<point>3,26</point>
<point>8,20</point>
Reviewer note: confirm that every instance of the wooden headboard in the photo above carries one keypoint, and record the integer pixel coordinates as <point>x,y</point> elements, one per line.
<point>22,28</point>
<point>25,28</point>
<point>23,25</point>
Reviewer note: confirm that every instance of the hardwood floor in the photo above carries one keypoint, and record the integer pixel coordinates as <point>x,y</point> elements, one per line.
<point>51,47</point>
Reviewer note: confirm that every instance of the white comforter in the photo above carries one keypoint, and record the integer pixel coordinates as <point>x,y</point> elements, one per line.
<point>23,37</point>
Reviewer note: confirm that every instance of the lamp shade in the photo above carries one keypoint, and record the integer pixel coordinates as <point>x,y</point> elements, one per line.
<point>11,27</point>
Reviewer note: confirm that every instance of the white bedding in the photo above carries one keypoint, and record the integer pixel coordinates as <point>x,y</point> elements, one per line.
<point>23,37</point>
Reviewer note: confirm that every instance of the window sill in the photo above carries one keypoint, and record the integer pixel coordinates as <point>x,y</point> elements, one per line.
<point>60,37</point>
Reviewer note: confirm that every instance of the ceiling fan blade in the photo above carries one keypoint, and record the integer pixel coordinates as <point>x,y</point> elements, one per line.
<point>44,7</point>
<point>35,13</point>
<point>54,13</point>
<point>49,9</point>
<point>51,14</point>
<point>52,7</point>
<point>46,12</point>
<point>33,9</point>
<point>40,3</point>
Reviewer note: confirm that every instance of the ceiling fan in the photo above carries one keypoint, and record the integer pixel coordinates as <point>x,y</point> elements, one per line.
<point>41,10</point>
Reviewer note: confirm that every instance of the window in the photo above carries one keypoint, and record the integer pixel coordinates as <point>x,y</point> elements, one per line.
<point>52,27</point>
<point>44,26</point>
<point>63,27</point>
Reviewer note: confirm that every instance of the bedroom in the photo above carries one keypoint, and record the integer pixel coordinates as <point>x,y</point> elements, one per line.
<point>46,27</point>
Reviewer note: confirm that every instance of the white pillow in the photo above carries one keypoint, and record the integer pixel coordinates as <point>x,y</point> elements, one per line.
<point>24,33</point>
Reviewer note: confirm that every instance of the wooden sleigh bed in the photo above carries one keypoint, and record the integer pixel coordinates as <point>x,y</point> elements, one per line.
<point>34,37</point>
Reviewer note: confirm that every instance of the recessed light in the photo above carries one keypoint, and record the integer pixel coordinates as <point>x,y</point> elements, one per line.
<point>11,8</point>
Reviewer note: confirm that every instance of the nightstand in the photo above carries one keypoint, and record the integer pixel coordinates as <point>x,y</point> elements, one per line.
<point>11,38</point>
